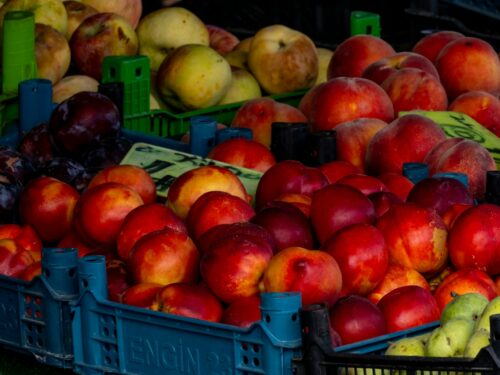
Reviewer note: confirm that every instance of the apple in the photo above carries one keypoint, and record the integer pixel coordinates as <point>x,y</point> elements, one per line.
<point>47,12</point>
<point>233,266</point>
<point>343,99</point>
<point>47,204</point>
<point>406,139</point>
<point>288,176</point>
<point>313,273</point>
<point>191,300</point>
<point>408,306</point>
<point>98,36</point>
<point>362,255</point>
<point>353,138</point>
<point>382,69</point>
<point>165,29</point>
<point>142,220</point>
<point>356,318</point>
<point>364,183</point>
<point>431,44</point>
<point>101,210</point>
<point>258,114</point>
<point>439,193</point>
<point>411,88</point>
<point>243,87</point>
<point>69,85</point>
<point>221,40</point>
<point>216,207</point>
<point>131,10</point>
<point>355,53</point>
<point>238,59</point>
<point>466,280</point>
<point>336,169</point>
<point>243,152</point>
<point>190,185</point>
<point>474,239</point>
<point>242,312</point>
<point>415,236</point>
<point>283,59</point>
<point>52,53</point>
<point>467,64</point>
<point>84,118</point>
<point>334,207</point>
<point>13,258</point>
<point>287,224</point>
<point>324,57</point>
<point>481,106</point>
<point>77,11</point>
<point>462,156</point>
<point>397,184</point>
<point>133,176</point>
<point>382,201</point>
<point>397,276</point>
<point>141,295</point>
<point>193,76</point>
<point>164,256</point>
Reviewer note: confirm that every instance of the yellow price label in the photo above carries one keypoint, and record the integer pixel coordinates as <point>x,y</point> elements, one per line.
<point>457,124</point>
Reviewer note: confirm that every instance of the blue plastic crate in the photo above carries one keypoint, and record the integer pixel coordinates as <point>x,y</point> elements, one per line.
<point>116,338</point>
<point>35,317</point>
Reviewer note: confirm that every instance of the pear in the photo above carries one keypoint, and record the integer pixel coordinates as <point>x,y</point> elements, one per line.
<point>450,339</point>
<point>468,306</point>
<point>478,340</point>
<point>412,346</point>
<point>492,308</point>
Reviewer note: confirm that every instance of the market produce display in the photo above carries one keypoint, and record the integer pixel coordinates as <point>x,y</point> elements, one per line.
<point>384,253</point>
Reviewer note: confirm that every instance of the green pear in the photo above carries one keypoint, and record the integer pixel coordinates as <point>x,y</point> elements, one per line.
<point>492,308</point>
<point>478,340</point>
<point>468,306</point>
<point>450,339</point>
<point>411,346</point>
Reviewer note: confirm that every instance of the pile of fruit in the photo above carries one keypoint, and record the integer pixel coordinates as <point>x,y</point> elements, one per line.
<point>382,252</point>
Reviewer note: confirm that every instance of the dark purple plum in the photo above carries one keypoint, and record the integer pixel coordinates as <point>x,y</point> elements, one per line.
<point>10,189</point>
<point>106,152</point>
<point>36,145</point>
<point>84,118</point>
<point>67,170</point>
<point>13,162</point>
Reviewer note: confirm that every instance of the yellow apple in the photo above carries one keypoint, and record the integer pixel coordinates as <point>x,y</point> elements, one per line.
<point>243,86</point>
<point>165,29</point>
<point>324,56</point>
<point>283,59</point>
<point>77,12</point>
<point>244,44</point>
<point>237,58</point>
<point>193,76</point>
<point>131,10</point>
<point>52,53</point>
<point>47,12</point>
<point>70,85</point>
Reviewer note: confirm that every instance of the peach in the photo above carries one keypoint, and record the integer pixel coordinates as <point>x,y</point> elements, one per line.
<point>244,153</point>
<point>221,40</point>
<point>468,64</point>
<point>411,89</point>
<point>397,184</point>
<point>451,214</point>
<point>48,204</point>
<point>133,176</point>
<point>100,211</point>
<point>336,169</point>
<point>142,220</point>
<point>164,257</point>
<point>258,114</point>
<point>141,295</point>
<point>353,138</point>
<point>355,53</point>
<point>382,201</point>
<point>301,201</point>
<point>25,236</point>
<point>313,273</point>
<point>415,236</point>
<point>396,276</point>
<point>430,45</point>
<point>481,106</point>
<point>190,185</point>
<point>216,207</point>
<point>73,240</point>
<point>406,139</point>
<point>364,183</point>
<point>345,99</point>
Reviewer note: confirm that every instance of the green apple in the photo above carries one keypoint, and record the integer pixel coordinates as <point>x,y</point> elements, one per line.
<point>478,340</point>
<point>450,339</point>
<point>243,86</point>
<point>162,31</point>
<point>492,308</point>
<point>47,12</point>
<point>467,306</point>
<point>193,76</point>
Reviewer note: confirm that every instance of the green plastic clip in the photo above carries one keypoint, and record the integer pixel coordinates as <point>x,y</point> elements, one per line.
<point>134,72</point>
<point>365,23</point>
